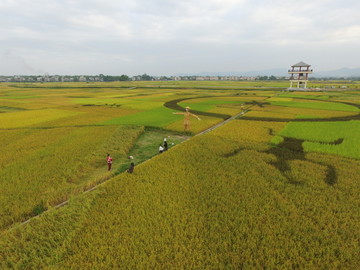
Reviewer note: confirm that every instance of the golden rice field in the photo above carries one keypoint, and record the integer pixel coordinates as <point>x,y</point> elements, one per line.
<point>276,188</point>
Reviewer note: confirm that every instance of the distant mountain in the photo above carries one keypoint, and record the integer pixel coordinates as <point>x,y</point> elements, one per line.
<point>343,72</point>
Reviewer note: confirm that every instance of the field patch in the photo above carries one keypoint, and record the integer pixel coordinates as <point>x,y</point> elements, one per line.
<point>28,118</point>
<point>158,117</point>
<point>173,105</point>
<point>249,131</point>
<point>317,105</point>
<point>284,99</point>
<point>270,114</point>
<point>147,146</point>
<point>306,95</point>
<point>303,111</point>
<point>207,104</point>
<point>227,109</point>
<point>213,202</point>
<point>87,115</point>
<point>322,136</point>
<point>43,167</point>
<point>128,103</point>
<point>247,195</point>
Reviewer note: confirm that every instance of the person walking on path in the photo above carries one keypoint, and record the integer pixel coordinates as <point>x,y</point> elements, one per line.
<point>109,161</point>
<point>165,145</point>
<point>131,168</point>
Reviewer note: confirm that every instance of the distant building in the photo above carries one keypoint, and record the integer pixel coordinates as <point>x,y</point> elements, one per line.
<point>299,75</point>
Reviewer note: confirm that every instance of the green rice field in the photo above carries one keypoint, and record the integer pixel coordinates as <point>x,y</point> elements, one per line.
<point>275,187</point>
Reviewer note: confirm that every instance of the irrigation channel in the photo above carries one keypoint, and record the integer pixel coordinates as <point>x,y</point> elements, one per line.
<point>106,180</point>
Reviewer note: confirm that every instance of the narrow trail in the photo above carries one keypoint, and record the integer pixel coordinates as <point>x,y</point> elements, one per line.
<point>222,123</point>
<point>112,176</point>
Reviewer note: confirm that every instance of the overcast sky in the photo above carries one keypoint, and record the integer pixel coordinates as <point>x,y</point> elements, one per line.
<point>168,37</point>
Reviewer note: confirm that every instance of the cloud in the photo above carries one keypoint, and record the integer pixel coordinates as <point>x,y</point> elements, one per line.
<point>163,36</point>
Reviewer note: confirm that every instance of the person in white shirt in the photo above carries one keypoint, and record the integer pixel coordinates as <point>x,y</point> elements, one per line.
<point>161,149</point>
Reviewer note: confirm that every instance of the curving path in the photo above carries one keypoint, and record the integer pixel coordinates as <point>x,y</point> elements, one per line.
<point>173,104</point>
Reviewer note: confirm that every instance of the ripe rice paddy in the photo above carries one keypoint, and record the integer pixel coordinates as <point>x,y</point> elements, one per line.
<point>28,118</point>
<point>276,188</point>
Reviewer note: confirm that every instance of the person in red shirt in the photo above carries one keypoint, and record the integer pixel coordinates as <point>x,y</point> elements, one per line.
<point>109,161</point>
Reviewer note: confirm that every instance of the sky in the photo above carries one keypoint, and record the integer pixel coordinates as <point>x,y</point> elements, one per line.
<point>170,37</point>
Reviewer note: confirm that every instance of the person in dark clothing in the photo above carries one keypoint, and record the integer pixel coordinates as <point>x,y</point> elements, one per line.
<point>131,168</point>
<point>165,145</point>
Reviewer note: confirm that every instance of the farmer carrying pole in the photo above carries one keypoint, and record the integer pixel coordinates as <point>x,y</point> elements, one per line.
<point>187,114</point>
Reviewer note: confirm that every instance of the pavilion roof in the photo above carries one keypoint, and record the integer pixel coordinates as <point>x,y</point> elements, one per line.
<point>301,64</point>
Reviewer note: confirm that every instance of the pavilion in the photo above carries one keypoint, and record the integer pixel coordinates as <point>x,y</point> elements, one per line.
<point>299,76</point>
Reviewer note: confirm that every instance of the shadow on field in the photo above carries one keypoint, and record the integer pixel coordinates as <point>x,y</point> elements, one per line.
<point>255,103</point>
<point>292,149</point>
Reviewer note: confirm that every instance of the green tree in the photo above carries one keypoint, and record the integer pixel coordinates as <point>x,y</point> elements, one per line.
<point>124,78</point>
